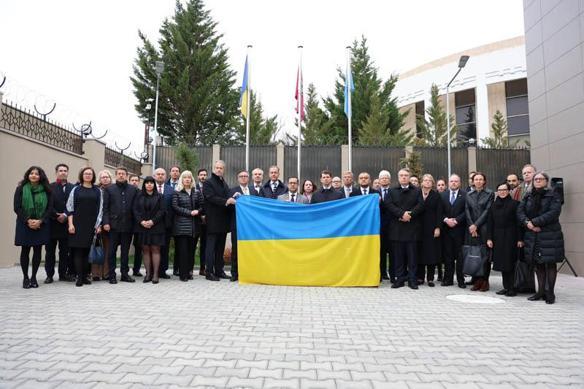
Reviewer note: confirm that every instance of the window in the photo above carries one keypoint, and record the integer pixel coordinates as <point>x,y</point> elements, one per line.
<point>465,115</point>
<point>517,107</point>
<point>419,114</point>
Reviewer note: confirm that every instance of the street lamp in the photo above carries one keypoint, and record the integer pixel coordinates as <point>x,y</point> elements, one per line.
<point>158,68</point>
<point>461,63</point>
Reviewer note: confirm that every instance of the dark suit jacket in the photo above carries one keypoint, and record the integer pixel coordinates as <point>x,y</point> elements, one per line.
<point>399,201</point>
<point>167,199</point>
<point>457,211</point>
<point>385,216</point>
<point>357,192</point>
<point>323,195</point>
<point>342,190</point>
<point>268,193</point>
<point>60,194</point>
<point>232,192</point>
<point>215,194</point>
<point>117,207</point>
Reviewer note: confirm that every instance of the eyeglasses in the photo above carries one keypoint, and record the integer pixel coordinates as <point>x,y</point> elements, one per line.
<point>243,176</point>
<point>502,190</point>
<point>540,179</point>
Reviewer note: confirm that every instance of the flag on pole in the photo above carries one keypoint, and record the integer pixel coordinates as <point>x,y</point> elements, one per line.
<point>299,94</point>
<point>244,92</point>
<point>349,88</point>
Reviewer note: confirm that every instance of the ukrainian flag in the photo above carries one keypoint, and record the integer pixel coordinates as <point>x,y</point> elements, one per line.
<point>244,91</point>
<point>328,244</point>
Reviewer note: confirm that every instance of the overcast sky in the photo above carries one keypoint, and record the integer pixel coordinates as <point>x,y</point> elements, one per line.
<point>79,53</point>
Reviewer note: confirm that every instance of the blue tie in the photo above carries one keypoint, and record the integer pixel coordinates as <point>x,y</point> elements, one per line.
<point>452,197</point>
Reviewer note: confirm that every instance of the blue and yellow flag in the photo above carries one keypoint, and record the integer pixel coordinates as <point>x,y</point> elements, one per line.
<point>244,91</point>
<point>327,244</point>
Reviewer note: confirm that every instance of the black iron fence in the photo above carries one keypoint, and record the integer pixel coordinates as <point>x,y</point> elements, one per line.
<point>435,160</point>
<point>166,157</point>
<point>498,163</point>
<point>314,160</point>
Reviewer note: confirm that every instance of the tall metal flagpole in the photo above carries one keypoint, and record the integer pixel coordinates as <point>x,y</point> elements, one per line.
<point>299,107</point>
<point>247,135</point>
<point>348,83</point>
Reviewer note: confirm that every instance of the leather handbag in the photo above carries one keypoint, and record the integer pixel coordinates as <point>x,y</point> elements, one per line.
<point>524,277</point>
<point>474,258</point>
<point>96,255</point>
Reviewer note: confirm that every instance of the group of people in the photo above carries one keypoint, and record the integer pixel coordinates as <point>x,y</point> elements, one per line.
<point>423,227</point>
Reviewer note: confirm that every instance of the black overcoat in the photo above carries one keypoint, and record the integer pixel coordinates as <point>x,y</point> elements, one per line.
<point>399,201</point>
<point>503,230</point>
<point>431,247</point>
<point>216,193</point>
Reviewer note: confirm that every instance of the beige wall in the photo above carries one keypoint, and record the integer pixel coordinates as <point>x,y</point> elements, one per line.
<point>497,102</point>
<point>410,119</point>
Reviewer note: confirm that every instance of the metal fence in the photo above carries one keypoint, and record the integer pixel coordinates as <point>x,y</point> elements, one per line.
<point>115,158</point>
<point>234,157</point>
<point>166,157</point>
<point>435,161</point>
<point>498,163</point>
<point>314,160</point>
<point>30,125</point>
<point>372,159</point>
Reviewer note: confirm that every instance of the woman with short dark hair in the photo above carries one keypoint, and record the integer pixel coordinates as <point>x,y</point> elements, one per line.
<point>33,206</point>
<point>308,189</point>
<point>539,213</point>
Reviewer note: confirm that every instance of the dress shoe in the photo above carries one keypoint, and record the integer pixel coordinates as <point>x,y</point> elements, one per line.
<point>146,279</point>
<point>127,278</point>
<point>511,293</point>
<point>137,274</point>
<point>34,283</point>
<point>234,278</point>
<point>502,292</point>
<point>431,284</point>
<point>202,271</point>
<point>550,298</point>
<point>536,297</point>
<point>446,283</point>
<point>86,281</point>
<point>396,285</point>
<point>113,280</point>
<point>461,285</point>
<point>391,280</point>
<point>413,285</point>
<point>49,280</point>
<point>211,277</point>
<point>26,283</point>
<point>191,277</point>
<point>165,276</point>
<point>484,286</point>
<point>477,285</point>
<point>175,273</point>
<point>155,281</point>
<point>223,276</point>
<point>420,282</point>
<point>439,279</point>
<point>79,282</point>
<point>184,279</point>
<point>384,276</point>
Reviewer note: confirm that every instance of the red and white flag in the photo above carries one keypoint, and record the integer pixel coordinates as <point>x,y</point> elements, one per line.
<point>299,94</point>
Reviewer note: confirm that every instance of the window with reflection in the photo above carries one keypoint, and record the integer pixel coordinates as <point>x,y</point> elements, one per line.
<point>517,107</point>
<point>465,103</point>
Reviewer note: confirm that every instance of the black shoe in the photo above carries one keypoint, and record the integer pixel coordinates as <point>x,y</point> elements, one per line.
<point>413,285</point>
<point>26,283</point>
<point>86,281</point>
<point>175,273</point>
<point>384,276</point>
<point>420,282</point>
<point>502,292</point>
<point>234,278</point>
<point>439,279</point>
<point>49,280</point>
<point>127,278</point>
<point>68,278</point>
<point>223,276</point>
<point>446,283</point>
<point>431,284</point>
<point>396,285</point>
<point>391,280</point>
<point>211,277</point>
<point>34,283</point>
<point>462,285</point>
<point>95,278</point>
<point>155,282</point>
<point>165,276</point>
<point>536,297</point>
<point>113,280</point>
<point>550,298</point>
<point>137,274</point>
<point>184,279</point>
<point>79,282</point>
<point>191,277</point>
<point>146,279</point>
<point>511,293</point>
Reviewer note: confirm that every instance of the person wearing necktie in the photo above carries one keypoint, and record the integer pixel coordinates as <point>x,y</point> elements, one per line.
<point>364,186</point>
<point>202,232</point>
<point>293,195</point>
<point>174,176</point>
<point>385,260</point>
<point>256,185</point>
<point>327,192</point>
<point>348,187</point>
<point>453,230</point>
<point>274,187</point>
<point>242,189</point>
<point>165,189</point>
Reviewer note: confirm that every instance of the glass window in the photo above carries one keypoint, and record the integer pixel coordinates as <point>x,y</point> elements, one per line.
<point>465,97</point>
<point>516,88</point>
<point>517,106</point>
<point>518,125</point>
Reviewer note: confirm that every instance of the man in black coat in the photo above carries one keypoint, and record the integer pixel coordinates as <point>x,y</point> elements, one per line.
<point>202,231</point>
<point>385,243</point>
<point>242,189</point>
<point>217,201</point>
<point>60,190</point>
<point>118,200</point>
<point>405,205</point>
<point>165,189</point>
<point>327,192</point>
<point>453,230</point>
<point>348,188</point>
<point>274,187</point>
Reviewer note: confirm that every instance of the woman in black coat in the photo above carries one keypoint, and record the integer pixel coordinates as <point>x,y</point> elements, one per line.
<point>84,209</point>
<point>539,212</point>
<point>150,213</point>
<point>430,245</point>
<point>503,237</point>
<point>478,203</point>
<point>187,203</point>
<point>33,207</point>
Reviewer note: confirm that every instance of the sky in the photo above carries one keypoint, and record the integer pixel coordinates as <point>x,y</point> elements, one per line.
<point>79,53</point>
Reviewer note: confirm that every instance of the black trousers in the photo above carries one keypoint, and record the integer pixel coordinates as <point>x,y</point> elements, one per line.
<point>405,259</point>
<point>427,271</point>
<point>384,253</point>
<point>214,253</point>
<point>202,236</point>
<point>234,266</point>
<point>508,279</point>
<point>65,259</point>
<point>81,261</point>
<point>137,253</point>
<point>165,253</point>
<point>123,240</point>
<point>184,254</point>
<point>452,258</point>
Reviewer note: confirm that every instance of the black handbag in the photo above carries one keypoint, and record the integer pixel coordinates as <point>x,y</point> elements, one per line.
<point>96,255</point>
<point>524,276</point>
<point>474,258</point>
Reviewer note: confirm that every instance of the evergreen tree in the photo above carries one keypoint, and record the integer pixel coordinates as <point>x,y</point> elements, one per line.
<point>186,157</point>
<point>499,138</point>
<point>316,125</point>
<point>374,131</point>
<point>198,99</point>
<point>414,163</point>
<point>433,130</point>
<point>262,130</point>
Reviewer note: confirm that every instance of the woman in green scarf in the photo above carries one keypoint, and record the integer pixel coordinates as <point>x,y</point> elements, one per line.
<point>32,205</point>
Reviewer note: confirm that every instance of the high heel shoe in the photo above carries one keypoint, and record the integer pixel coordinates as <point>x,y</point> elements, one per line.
<point>536,297</point>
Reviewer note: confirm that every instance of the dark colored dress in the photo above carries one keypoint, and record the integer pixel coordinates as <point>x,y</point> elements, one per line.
<point>503,230</point>
<point>25,236</point>
<point>430,247</point>
<point>85,204</point>
<point>150,207</point>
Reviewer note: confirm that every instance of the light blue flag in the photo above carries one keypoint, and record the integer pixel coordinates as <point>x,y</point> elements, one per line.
<point>349,88</point>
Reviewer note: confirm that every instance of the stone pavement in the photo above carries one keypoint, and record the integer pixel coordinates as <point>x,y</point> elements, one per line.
<point>223,334</point>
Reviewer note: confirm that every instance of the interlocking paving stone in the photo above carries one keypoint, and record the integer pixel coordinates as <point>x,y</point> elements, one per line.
<point>202,334</point>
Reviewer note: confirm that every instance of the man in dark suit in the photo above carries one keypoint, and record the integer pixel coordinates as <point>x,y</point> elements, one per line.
<point>348,186</point>
<point>405,205</point>
<point>60,190</point>
<point>202,232</point>
<point>385,244</point>
<point>165,189</point>
<point>257,175</point>
<point>453,230</point>
<point>118,219</point>
<point>274,187</point>
<point>364,188</point>
<point>293,196</point>
<point>217,201</point>
<point>327,192</point>
<point>174,176</point>
<point>243,189</point>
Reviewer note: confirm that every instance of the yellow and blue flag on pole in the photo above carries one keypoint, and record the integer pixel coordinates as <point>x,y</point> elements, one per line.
<point>244,91</point>
<point>327,244</point>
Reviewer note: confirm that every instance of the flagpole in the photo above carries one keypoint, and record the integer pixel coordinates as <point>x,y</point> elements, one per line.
<point>348,76</point>
<point>247,135</point>
<point>299,108</point>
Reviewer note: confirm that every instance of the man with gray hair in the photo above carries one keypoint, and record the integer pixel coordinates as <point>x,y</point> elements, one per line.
<point>524,188</point>
<point>384,178</point>
<point>257,176</point>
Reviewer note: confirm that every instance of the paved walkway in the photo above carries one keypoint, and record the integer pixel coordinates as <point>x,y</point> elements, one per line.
<point>227,335</point>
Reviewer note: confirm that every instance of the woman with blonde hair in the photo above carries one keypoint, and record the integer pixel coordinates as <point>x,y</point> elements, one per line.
<point>101,272</point>
<point>430,245</point>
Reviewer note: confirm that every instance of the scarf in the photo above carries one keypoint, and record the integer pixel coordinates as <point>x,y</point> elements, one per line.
<point>34,205</point>
<point>537,195</point>
<point>500,202</point>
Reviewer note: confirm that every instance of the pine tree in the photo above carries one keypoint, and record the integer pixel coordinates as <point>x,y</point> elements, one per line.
<point>198,99</point>
<point>262,130</point>
<point>374,131</point>
<point>499,138</point>
<point>186,157</point>
<point>414,163</point>
<point>315,128</point>
<point>433,130</point>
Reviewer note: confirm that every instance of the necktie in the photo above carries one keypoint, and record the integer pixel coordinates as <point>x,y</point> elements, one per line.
<point>257,189</point>
<point>365,192</point>
<point>173,185</point>
<point>292,199</point>
<point>159,188</point>
<point>274,186</point>
<point>452,197</point>
<point>246,191</point>
<point>384,193</point>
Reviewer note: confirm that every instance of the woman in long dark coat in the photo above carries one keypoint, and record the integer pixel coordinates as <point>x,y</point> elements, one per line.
<point>33,208</point>
<point>539,213</point>
<point>503,237</point>
<point>150,211</point>
<point>84,207</point>
<point>429,251</point>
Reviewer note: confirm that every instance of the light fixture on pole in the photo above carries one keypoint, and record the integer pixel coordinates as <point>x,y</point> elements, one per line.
<point>159,68</point>
<point>461,63</point>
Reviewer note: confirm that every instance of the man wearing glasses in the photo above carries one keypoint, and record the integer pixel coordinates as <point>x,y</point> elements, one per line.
<point>242,189</point>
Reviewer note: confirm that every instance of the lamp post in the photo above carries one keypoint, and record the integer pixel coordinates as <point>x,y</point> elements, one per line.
<point>461,63</point>
<point>159,68</point>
